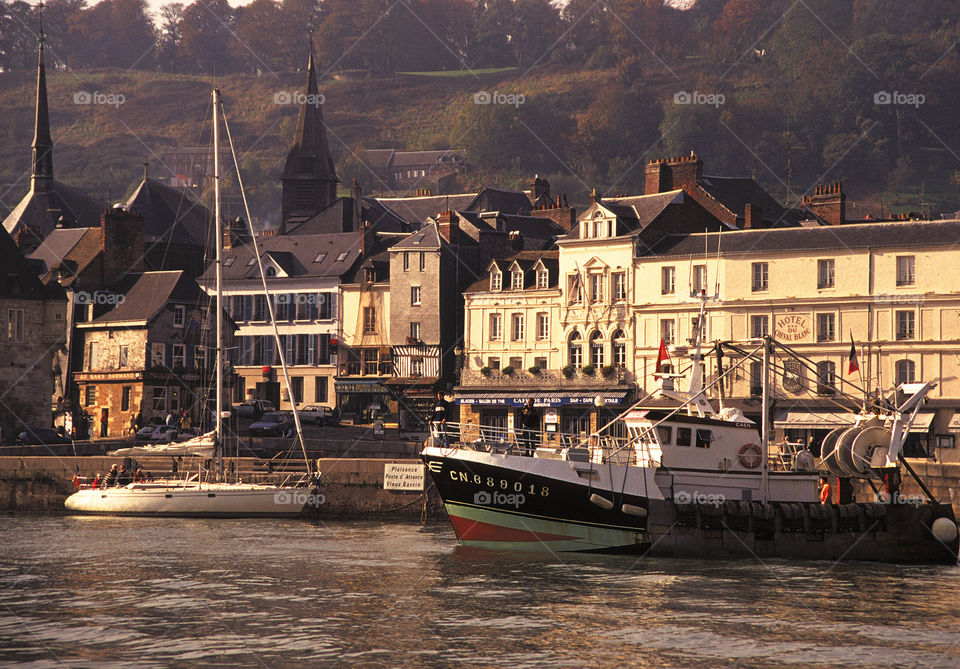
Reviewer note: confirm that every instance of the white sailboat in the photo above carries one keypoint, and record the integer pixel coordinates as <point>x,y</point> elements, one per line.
<point>205,493</point>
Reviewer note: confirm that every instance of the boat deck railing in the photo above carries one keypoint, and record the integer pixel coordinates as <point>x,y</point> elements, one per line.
<point>595,448</point>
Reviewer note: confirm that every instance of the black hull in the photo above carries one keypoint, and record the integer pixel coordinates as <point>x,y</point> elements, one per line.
<point>559,515</point>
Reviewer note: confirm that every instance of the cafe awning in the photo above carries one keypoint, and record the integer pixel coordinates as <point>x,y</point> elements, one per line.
<point>540,398</point>
<point>828,420</point>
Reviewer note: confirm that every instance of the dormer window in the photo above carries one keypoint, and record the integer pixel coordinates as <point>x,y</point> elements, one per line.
<point>369,275</point>
<point>496,279</point>
<point>271,271</point>
<point>343,256</point>
<point>320,256</point>
<point>516,280</point>
<point>542,278</point>
<point>252,261</point>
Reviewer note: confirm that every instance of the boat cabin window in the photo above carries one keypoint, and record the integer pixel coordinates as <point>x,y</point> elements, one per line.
<point>664,434</point>
<point>683,436</point>
<point>704,437</point>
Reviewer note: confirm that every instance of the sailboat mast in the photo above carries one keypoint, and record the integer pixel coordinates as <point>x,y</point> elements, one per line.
<point>218,308</point>
<point>765,424</point>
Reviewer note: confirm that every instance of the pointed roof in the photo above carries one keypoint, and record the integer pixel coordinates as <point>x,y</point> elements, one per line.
<point>310,139</point>
<point>146,294</point>
<point>170,214</point>
<point>41,127</point>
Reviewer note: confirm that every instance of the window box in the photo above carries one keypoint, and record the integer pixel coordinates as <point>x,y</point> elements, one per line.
<point>608,370</point>
<point>534,370</point>
<point>569,371</point>
<point>588,370</point>
<point>508,370</point>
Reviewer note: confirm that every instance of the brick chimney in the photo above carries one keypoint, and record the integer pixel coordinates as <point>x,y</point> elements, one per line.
<point>595,196</point>
<point>121,238</point>
<point>539,188</point>
<point>235,233</point>
<point>356,195</point>
<point>752,216</point>
<point>448,225</point>
<point>561,214</point>
<point>828,203</point>
<point>655,177</point>
<point>673,173</point>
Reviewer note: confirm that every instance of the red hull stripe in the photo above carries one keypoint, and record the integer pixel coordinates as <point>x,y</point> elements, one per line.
<point>473,530</point>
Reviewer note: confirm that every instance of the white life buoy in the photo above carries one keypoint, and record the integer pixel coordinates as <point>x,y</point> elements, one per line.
<point>750,456</point>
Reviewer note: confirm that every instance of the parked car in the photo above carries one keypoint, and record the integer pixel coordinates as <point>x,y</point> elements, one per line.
<point>247,408</point>
<point>41,435</point>
<point>319,414</point>
<point>273,424</point>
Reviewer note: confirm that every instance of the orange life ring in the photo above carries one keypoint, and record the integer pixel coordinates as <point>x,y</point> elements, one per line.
<point>750,456</point>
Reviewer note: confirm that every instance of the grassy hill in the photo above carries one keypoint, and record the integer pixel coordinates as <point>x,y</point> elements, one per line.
<point>100,147</point>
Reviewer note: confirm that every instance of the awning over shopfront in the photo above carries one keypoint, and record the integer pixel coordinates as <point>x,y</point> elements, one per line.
<point>412,381</point>
<point>360,386</point>
<point>828,420</point>
<point>540,399</point>
<point>954,424</point>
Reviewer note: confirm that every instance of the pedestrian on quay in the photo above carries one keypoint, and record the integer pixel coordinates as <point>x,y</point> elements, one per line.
<point>530,424</point>
<point>824,490</point>
<point>440,419</point>
<point>96,481</point>
<point>133,424</point>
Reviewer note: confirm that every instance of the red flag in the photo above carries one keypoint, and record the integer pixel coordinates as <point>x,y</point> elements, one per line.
<point>852,366</point>
<point>662,356</point>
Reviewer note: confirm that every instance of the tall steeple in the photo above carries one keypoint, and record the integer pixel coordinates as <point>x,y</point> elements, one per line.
<point>309,176</point>
<point>42,175</point>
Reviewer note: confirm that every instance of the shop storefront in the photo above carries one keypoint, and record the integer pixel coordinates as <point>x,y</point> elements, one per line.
<point>362,400</point>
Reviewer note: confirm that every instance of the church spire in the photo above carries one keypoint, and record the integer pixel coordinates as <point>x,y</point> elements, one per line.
<point>42,176</point>
<point>309,175</point>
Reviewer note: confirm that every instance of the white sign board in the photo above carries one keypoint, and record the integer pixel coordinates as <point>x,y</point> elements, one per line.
<point>551,417</point>
<point>403,477</point>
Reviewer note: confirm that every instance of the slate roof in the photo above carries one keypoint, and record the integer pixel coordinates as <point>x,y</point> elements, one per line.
<point>417,210</point>
<point>18,276</point>
<point>338,217</point>
<point>634,213</point>
<point>385,158</point>
<point>169,214</point>
<point>498,199</point>
<point>527,260</point>
<point>42,211</point>
<point>896,234</point>
<point>297,252</point>
<point>62,249</point>
<point>735,193</point>
<point>146,294</point>
<point>427,237</point>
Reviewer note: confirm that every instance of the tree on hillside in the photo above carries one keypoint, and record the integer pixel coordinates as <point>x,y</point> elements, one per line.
<point>260,32</point>
<point>169,34</point>
<point>112,33</point>
<point>207,32</point>
<point>585,28</point>
<point>18,38</point>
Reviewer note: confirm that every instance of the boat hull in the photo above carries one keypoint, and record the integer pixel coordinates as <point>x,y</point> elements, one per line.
<point>561,510</point>
<point>205,501</point>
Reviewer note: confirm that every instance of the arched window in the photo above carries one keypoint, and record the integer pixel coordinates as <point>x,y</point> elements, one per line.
<point>596,349</point>
<point>271,271</point>
<point>826,378</point>
<point>575,349</point>
<point>906,371</point>
<point>619,349</point>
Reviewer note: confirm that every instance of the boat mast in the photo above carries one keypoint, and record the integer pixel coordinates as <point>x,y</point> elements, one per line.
<point>218,243</point>
<point>765,423</point>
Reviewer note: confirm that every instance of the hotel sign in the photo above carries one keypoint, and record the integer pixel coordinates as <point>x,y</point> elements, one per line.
<point>792,327</point>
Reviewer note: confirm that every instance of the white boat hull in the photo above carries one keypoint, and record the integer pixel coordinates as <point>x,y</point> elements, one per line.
<point>216,500</point>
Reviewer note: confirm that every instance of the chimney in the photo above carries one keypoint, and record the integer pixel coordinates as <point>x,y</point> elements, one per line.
<point>357,197</point>
<point>448,226</point>
<point>828,203</point>
<point>539,188</point>
<point>655,178</point>
<point>121,238</point>
<point>594,196</point>
<point>752,216</point>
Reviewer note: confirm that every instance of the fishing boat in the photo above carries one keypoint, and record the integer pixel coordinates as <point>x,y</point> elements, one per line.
<point>691,481</point>
<point>206,492</point>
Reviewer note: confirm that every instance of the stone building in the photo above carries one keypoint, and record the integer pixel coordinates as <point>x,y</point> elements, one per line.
<point>34,324</point>
<point>153,352</point>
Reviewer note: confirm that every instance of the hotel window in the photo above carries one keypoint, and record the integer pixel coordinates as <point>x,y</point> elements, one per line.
<point>320,389</point>
<point>540,363</point>
<point>619,349</point>
<point>415,331</point>
<point>493,363</point>
<point>668,330</point>
<point>516,363</point>
<point>542,278</point>
<point>596,288</point>
<point>15,325</point>
<point>496,327</point>
<point>516,280</point>
<point>89,396</point>
<point>575,350</point>
<point>415,296</point>
<point>496,280</point>
<point>760,271</point>
<point>575,288</point>
<point>296,384</point>
<point>759,326</point>
<point>825,273</point>
<point>93,359</point>
<point>905,325</point>
<point>179,315</point>
<point>259,308</point>
<point>905,270</point>
<point>596,349</point>
<point>123,359</point>
<point>179,355</point>
<point>826,327</point>
<point>619,286</point>
<point>516,327</point>
<point>668,280</point>
<point>699,279</point>
<point>369,320</point>
<point>125,392</point>
<point>905,372</point>
<point>756,379</point>
<point>406,261</point>
<point>826,378</point>
<point>543,327</point>
<point>423,261</point>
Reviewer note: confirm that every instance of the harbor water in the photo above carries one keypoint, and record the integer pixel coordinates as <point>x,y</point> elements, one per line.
<point>85,592</point>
